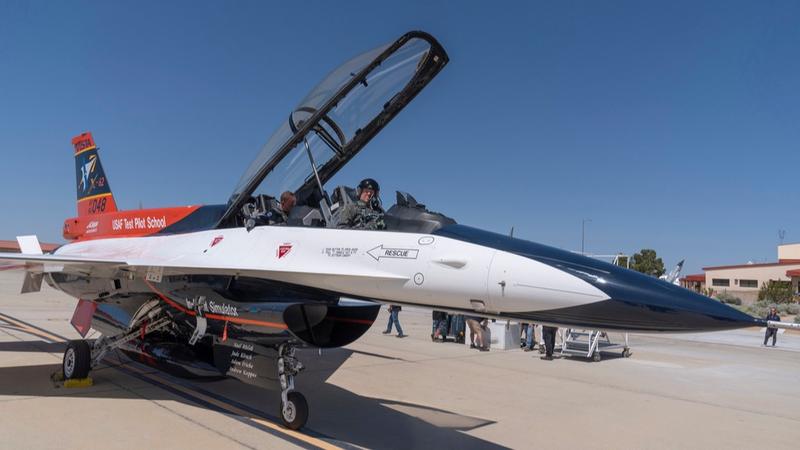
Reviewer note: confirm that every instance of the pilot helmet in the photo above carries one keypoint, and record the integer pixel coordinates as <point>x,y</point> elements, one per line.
<point>369,183</point>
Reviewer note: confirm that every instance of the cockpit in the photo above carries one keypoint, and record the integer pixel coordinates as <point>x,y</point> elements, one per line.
<point>406,215</point>
<point>326,130</point>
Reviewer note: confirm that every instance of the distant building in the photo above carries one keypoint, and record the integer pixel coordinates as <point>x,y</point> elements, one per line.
<point>794,275</point>
<point>695,282</point>
<point>13,247</point>
<point>744,280</point>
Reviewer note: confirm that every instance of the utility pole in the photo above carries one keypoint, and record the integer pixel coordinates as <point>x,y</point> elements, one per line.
<point>583,234</point>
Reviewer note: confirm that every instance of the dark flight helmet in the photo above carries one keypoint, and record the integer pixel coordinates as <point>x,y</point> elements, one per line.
<point>369,183</point>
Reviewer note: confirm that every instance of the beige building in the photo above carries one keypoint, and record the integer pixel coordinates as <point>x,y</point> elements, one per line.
<point>744,280</point>
<point>794,275</point>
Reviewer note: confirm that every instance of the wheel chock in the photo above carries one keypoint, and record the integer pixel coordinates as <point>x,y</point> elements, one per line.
<point>78,383</point>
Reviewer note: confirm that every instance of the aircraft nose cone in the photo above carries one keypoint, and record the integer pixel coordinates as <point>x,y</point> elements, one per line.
<point>636,302</point>
<point>641,302</point>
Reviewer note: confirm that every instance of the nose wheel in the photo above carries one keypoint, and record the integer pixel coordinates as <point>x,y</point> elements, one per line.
<point>294,411</point>
<point>294,407</point>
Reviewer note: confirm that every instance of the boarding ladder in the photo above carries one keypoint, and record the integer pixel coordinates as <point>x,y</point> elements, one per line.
<point>590,343</point>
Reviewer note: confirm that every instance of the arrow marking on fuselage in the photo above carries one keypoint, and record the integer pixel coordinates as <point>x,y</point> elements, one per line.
<point>396,253</point>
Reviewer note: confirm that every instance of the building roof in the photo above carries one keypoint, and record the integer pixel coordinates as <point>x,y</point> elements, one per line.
<point>782,262</point>
<point>695,277</point>
<point>13,246</point>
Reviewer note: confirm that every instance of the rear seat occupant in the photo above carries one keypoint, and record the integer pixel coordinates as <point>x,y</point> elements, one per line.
<point>366,213</point>
<point>281,215</point>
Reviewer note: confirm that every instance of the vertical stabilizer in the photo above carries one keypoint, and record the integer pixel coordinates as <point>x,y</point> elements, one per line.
<point>94,193</point>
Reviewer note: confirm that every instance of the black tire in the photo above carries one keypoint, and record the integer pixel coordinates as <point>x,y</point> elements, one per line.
<point>77,361</point>
<point>295,415</point>
<point>627,353</point>
<point>596,357</point>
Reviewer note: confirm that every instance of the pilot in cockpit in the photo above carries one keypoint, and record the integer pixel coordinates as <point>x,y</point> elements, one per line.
<point>366,213</point>
<point>281,215</point>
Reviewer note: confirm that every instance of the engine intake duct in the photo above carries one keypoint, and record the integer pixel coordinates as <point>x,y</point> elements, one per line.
<point>326,326</point>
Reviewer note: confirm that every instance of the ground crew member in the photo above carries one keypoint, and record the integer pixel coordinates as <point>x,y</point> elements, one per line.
<point>366,213</point>
<point>549,336</point>
<point>772,315</point>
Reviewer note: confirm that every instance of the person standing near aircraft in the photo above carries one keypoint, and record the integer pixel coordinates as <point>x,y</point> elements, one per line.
<point>530,334</point>
<point>549,336</point>
<point>394,318</point>
<point>436,331</point>
<point>477,326</point>
<point>773,332</point>
<point>366,213</point>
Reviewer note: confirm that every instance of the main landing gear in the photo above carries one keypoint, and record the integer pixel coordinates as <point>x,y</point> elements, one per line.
<point>77,360</point>
<point>294,407</point>
<point>81,356</point>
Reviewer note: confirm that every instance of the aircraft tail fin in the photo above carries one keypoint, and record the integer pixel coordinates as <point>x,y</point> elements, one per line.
<point>675,273</point>
<point>94,193</point>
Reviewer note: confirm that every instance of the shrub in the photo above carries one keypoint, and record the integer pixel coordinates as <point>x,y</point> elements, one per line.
<point>792,308</point>
<point>776,291</point>
<point>796,319</point>
<point>731,299</point>
<point>758,309</point>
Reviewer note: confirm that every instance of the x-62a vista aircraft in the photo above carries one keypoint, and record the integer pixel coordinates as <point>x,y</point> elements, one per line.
<point>219,290</point>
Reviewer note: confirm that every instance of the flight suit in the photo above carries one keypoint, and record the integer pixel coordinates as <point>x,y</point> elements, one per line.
<point>360,216</point>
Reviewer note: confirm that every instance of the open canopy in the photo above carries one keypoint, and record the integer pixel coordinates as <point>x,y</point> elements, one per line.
<point>338,117</point>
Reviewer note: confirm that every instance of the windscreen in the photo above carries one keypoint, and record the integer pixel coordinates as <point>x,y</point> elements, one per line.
<point>336,119</point>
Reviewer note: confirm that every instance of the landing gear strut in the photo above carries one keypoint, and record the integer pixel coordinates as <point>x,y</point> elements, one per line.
<point>81,356</point>
<point>294,407</point>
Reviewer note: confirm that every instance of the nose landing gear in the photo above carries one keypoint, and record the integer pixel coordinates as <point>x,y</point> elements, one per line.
<point>294,407</point>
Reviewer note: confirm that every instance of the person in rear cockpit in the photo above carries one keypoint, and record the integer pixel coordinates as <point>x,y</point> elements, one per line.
<point>366,213</point>
<point>280,215</point>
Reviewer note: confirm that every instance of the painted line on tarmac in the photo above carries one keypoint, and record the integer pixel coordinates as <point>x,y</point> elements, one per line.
<point>196,395</point>
<point>31,329</point>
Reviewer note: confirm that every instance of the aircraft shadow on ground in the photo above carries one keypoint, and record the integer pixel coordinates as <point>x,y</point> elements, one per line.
<point>32,346</point>
<point>336,413</point>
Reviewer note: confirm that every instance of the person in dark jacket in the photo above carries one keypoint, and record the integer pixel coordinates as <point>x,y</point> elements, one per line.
<point>436,331</point>
<point>773,315</point>
<point>549,336</point>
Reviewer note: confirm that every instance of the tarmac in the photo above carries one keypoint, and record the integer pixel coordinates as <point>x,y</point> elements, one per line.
<point>717,390</point>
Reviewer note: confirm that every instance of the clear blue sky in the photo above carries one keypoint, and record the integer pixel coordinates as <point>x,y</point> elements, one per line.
<point>672,126</point>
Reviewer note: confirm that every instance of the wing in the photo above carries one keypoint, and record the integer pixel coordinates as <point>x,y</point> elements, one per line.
<point>26,260</point>
<point>154,269</point>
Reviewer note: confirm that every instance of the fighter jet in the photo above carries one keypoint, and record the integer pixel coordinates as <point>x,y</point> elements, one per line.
<point>672,276</point>
<point>221,290</point>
